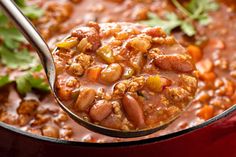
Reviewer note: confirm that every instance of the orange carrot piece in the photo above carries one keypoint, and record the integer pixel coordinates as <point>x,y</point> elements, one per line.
<point>93,73</point>
<point>195,52</point>
<point>206,112</point>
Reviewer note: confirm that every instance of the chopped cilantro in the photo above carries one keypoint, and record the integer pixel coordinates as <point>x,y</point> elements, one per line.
<point>4,80</point>
<point>27,82</point>
<point>196,10</point>
<point>32,12</point>
<point>169,24</point>
<point>21,59</point>
<point>14,56</point>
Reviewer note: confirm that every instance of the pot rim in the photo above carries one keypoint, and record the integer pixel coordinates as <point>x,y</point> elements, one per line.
<point>117,144</point>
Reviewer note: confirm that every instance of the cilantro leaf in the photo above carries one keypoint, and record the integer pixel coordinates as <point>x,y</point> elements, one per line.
<point>22,59</point>
<point>201,6</point>
<point>196,10</point>
<point>13,57</point>
<point>170,22</point>
<point>27,82</point>
<point>22,84</point>
<point>32,12</point>
<point>39,83</point>
<point>4,80</point>
<point>10,36</point>
<point>20,3</point>
<point>4,20</point>
<point>188,28</point>
<point>37,68</point>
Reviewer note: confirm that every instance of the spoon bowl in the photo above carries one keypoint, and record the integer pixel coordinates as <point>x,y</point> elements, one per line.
<point>47,61</point>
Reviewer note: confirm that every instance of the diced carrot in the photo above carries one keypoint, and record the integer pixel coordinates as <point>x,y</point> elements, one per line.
<point>195,52</point>
<point>93,73</point>
<point>206,112</point>
<point>210,76</point>
<point>205,66</point>
<point>216,44</point>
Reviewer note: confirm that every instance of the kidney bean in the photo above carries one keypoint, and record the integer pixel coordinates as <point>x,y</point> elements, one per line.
<point>100,110</point>
<point>85,99</point>
<point>180,63</point>
<point>133,110</point>
<point>111,73</point>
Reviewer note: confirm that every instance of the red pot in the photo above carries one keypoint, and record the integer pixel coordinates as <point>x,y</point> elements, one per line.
<point>216,138</point>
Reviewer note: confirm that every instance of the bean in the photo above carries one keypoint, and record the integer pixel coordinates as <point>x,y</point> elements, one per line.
<point>137,62</point>
<point>206,112</point>
<point>50,131</point>
<point>140,43</point>
<point>106,54</point>
<point>85,99</point>
<point>100,110</point>
<point>111,73</point>
<point>128,73</point>
<point>180,63</point>
<point>133,110</point>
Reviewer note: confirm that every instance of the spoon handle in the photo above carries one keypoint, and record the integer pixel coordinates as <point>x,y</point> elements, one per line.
<point>30,33</point>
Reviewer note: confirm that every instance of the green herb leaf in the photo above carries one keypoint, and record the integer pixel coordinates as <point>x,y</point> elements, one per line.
<point>188,28</point>
<point>4,80</point>
<point>13,57</point>
<point>22,59</point>
<point>170,22</point>
<point>39,84</point>
<point>4,20</point>
<point>20,3</point>
<point>196,10</point>
<point>28,82</point>
<point>37,68</point>
<point>23,85</point>
<point>10,36</point>
<point>32,12</point>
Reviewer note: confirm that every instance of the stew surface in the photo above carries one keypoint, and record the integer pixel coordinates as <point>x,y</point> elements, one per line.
<point>208,38</point>
<point>124,76</point>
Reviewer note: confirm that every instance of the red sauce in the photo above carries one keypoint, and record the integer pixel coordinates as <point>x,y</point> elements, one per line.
<point>216,63</point>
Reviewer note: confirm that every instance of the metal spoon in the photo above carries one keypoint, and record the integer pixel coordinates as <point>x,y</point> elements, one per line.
<point>28,30</point>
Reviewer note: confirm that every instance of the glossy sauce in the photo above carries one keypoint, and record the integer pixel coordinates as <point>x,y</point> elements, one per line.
<point>216,86</point>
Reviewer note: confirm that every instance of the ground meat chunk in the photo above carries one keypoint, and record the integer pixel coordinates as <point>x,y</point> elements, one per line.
<point>84,60</point>
<point>136,84</point>
<point>187,82</point>
<point>91,34</point>
<point>177,94</point>
<point>132,85</point>
<point>27,107</point>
